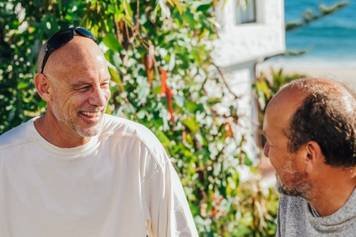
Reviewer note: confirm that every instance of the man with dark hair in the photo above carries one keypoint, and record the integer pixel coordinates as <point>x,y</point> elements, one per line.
<point>76,172</point>
<point>310,129</point>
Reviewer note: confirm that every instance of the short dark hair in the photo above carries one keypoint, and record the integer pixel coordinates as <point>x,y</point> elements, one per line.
<point>326,116</point>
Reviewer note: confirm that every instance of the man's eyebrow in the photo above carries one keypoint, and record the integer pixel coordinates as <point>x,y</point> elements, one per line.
<point>80,83</point>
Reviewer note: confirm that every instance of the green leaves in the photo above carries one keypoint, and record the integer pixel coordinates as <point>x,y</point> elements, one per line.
<point>115,76</point>
<point>22,85</point>
<point>112,43</point>
<point>192,124</point>
<point>204,7</point>
<point>163,138</point>
<point>128,14</point>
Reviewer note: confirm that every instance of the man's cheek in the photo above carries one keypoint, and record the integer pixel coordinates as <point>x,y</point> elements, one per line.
<point>274,160</point>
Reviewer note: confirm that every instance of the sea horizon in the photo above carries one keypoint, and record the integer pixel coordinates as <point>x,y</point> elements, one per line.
<point>330,40</point>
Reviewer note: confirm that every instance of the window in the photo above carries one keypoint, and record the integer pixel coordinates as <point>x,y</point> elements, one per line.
<point>245,11</point>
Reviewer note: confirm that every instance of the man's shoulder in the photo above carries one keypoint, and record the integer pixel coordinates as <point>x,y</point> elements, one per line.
<point>15,136</point>
<point>291,216</point>
<point>291,202</point>
<point>126,128</point>
<point>122,129</point>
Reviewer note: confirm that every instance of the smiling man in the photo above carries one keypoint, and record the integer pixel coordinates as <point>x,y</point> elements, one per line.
<point>310,127</point>
<point>76,172</point>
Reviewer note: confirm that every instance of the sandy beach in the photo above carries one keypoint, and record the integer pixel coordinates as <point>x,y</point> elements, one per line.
<point>343,71</point>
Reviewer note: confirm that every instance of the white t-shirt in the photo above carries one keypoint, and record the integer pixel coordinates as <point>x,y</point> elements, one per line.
<point>120,184</point>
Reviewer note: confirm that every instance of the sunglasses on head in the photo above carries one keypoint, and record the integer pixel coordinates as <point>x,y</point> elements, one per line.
<point>61,38</point>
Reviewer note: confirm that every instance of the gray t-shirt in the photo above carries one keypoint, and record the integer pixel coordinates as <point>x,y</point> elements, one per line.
<point>295,219</point>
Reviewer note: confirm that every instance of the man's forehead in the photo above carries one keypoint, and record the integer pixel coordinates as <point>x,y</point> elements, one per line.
<point>80,56</point>
<point>288,98</point>
<point>282,107</point>
<point>79,50</point>
<point>275,121</point>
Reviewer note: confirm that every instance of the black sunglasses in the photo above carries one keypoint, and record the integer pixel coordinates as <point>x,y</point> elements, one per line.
<point>61,38</point>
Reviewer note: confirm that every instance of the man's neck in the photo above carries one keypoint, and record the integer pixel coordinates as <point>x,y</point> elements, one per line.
<point>329,197</point>
<point>57,135</point>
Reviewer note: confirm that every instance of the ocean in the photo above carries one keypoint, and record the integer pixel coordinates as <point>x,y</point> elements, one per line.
<point>332,38</point>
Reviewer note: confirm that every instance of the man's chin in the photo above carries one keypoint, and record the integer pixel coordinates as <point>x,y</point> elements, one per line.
<point>89,131</point>
<point>299,189</point>
<point>290,191</point>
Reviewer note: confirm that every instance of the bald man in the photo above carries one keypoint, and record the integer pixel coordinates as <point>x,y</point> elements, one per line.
<point>310,127</point>
<point>76,172</point>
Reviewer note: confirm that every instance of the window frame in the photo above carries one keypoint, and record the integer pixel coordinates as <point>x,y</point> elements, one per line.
<point>238,10</point>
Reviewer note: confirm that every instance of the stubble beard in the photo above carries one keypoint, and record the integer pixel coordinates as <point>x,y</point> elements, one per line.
<point>300,187</point>
<point>87,132</point>
<point>75,126</point>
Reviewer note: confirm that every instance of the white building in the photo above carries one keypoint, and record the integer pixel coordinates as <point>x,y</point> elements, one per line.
<point>250,30</point>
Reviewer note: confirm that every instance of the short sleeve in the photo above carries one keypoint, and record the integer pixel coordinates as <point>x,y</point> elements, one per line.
<point>169,213</point>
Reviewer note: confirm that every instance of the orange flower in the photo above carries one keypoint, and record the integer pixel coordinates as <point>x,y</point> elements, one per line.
<point>165,90</point>
<point>149,62</point>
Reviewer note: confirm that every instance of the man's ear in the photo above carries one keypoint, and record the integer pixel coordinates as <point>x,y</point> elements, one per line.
<point>42,86</point>
<point>313,153</point>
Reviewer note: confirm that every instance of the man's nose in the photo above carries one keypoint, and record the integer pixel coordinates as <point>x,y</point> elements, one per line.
<point>99,97</point>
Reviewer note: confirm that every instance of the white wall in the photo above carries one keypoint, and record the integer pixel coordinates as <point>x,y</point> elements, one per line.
<point>240,47</point>
<point>247,42</point>
<point>240,79</point>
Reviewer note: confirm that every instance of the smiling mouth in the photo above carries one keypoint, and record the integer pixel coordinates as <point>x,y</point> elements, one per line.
<point>90,116</point>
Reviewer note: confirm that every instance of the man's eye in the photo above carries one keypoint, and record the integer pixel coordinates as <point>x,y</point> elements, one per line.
<point>83,88</point>
<point>105,84</point>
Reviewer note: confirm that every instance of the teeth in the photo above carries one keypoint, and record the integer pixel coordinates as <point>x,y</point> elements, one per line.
<point>90,114</point>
